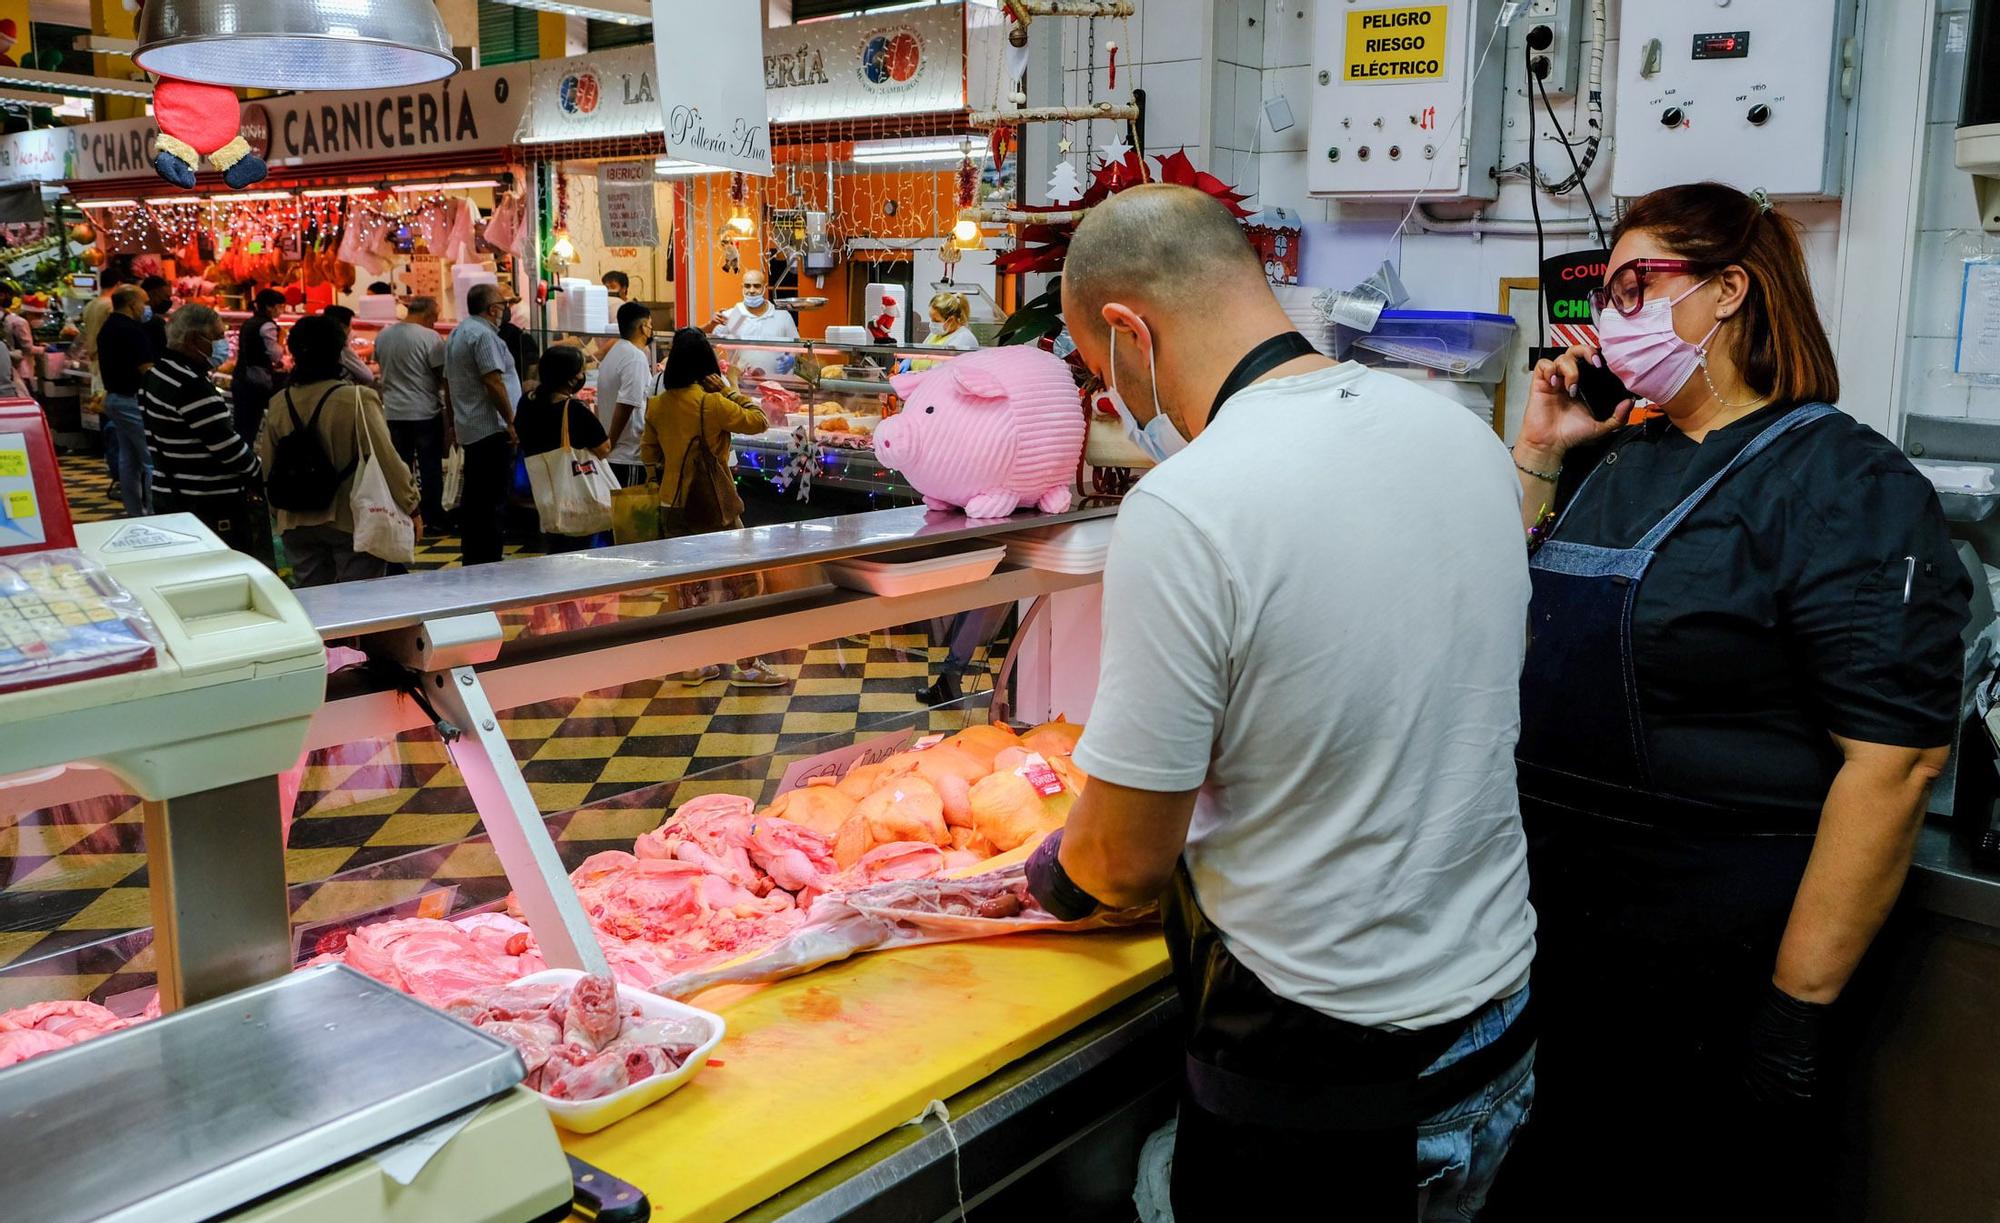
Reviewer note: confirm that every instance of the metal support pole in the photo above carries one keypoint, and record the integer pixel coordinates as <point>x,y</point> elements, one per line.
<point>215,863</point>
<point>514,823</point>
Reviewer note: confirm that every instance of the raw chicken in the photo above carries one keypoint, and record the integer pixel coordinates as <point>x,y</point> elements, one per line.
<point>1008,812</point>
<point>967,840</point>
<point>953,773</point>
<point>20,1044</point>
<point>818,805</point>
<point>602,1075</point>
<point>532,1039</point>
<point>904,809</point>
<point>983,743</point>
<point>590,1015</point>
<point>1053,738</point>
<point>868,778</point>
<point>896,860</point>
<point>797,858</point>
<point>1072,776</point>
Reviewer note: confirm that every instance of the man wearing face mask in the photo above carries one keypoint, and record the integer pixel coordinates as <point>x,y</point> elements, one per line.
<point>1743,674</point>
<point>753,318</point>
<point>1303,737</point>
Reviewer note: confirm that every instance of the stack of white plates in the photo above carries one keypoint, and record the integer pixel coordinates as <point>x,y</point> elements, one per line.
<point>1077,547</point>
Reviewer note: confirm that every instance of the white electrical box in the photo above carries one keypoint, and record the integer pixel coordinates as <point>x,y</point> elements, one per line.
<point>1393,80</point>
<point>1753,93</point>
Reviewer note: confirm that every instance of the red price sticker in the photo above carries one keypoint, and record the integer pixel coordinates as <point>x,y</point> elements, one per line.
<point>1039,775</point>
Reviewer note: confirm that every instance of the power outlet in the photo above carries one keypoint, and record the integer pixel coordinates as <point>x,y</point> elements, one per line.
<point>1560,23</point>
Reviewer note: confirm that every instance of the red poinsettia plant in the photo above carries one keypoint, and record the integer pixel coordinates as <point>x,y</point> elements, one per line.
<point>1044,247</point>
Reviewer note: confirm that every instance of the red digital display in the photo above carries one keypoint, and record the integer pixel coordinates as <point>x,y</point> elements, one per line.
<point>1729,44</point>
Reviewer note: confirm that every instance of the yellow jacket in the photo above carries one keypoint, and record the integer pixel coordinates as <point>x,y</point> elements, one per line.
<point>672,419</point>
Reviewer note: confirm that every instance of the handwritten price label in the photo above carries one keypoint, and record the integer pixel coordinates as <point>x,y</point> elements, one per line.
<point>841,761</point>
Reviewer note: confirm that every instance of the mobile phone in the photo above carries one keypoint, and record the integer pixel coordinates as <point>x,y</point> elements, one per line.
<point>1599,388</point>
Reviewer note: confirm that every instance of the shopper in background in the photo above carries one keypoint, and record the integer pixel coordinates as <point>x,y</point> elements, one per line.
<point>1315,770</point>
<point>618,285</point>
<point>381,288</point>
<point>159,304</point>
<point>352,367</point>
<point>98,309</point>
<point>624,383</point>
<point>411,357</point>
<point>686,439</point>
<point>1744,674</point>
<point>201,465</point>
<point>113,277</point>
<point>20,338</point>
<point>754,318</point>
<point>260,363</point>
<point>481,388</point>
<point>527,353</point>
<point>124,354</point>
<point>540,419</point>
<point>349,423</point>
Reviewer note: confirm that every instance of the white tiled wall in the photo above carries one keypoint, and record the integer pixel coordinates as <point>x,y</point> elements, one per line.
<point>1948,233</point>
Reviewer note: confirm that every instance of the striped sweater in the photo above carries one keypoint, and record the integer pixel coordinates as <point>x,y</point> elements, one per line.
<point>196,449</point>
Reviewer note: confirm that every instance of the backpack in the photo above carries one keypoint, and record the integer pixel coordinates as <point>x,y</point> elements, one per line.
<point>302,479</point>
<point>705,497</point>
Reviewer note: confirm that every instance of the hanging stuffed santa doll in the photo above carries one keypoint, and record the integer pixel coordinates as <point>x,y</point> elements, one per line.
<point>198,121</point>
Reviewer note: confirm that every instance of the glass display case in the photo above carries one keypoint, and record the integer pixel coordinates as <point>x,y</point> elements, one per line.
<point>843,393</point>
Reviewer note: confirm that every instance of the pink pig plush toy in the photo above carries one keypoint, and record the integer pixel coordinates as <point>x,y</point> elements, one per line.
<point>990,432</point>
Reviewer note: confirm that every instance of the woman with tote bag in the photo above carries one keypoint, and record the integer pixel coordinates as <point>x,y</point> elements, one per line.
<point>564,446</point>
<point>323,439</point>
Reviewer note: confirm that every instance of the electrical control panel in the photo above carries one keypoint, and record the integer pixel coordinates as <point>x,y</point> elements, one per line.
<point>1402,103</point>
<point>1754,93</point>
<point>1553,29</point>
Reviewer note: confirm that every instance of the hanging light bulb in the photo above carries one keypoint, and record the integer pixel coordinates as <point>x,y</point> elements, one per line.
<point>742,222</point>
<point>967,233</point>
<point>295,44</point>
<point>564,250</point>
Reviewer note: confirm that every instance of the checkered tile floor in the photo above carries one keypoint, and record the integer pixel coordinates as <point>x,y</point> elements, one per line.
<point>385,823</point>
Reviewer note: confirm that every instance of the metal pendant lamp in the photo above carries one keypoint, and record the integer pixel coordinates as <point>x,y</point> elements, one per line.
<point>296,44</point>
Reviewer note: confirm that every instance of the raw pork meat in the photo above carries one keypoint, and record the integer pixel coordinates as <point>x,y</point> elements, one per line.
<point>73,1021</point>
<point>20,1044</point>
<point>434,960</point>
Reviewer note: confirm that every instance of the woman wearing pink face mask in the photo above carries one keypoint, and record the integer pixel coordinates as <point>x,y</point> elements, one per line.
<point>1743,672</point>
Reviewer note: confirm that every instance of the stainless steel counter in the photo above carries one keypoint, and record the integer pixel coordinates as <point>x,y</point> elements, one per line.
<point>351,609</point>
<point>1945,881</point>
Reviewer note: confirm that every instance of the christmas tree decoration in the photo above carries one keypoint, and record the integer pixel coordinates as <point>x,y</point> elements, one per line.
<point>1111,64</point>
<point>1063,185</point>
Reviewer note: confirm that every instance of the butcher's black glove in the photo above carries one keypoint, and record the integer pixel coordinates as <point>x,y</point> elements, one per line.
<point>1051,885</point>
<point>1786,1039</point>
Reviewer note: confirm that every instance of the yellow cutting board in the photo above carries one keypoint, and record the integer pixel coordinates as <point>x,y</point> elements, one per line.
<point>816,1066</point>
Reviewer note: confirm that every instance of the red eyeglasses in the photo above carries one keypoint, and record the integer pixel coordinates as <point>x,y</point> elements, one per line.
<point>1625,289</point>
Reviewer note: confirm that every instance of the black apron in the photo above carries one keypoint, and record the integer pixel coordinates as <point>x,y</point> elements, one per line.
<point>1659,916</point>
<point>1286,1112</point>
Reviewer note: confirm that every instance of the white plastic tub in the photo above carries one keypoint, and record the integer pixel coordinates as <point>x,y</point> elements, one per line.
<point>589,1116</point>
<point>894,578</point>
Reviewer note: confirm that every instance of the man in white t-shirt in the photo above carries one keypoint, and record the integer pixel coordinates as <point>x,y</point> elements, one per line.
<point>754,318</point>
<point>1303,737</point>
<point>624,383</point>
